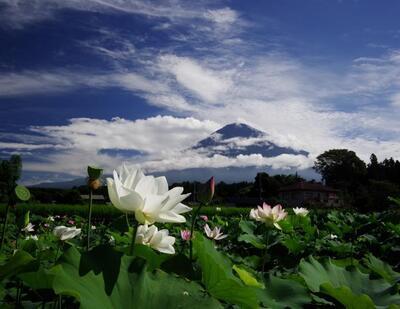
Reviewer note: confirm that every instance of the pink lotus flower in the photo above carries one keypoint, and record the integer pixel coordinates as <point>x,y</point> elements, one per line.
<point>46,225</point>
<point>269,215</point>
<point>185,234</point>
<point>204,218</point>
<point>215,234</point>
<point>72,222</point>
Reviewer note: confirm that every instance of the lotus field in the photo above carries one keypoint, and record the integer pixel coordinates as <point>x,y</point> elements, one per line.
<point>161,253</point>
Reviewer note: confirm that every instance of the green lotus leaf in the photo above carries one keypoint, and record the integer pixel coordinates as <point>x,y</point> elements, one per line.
<point>381,268</point>
<point>95,285</point>
<point>19,263</point>
<point>284,293</point>
<point>350,288</point>
<point>22,193</point>
<point>218,278</point>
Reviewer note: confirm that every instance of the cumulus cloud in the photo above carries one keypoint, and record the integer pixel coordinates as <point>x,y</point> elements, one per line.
<point>153,135</point>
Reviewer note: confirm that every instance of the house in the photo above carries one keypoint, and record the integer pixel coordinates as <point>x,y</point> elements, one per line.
<point>97,198</point>
<point>309,193</point>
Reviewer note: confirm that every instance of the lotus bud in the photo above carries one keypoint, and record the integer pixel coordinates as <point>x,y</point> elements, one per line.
<point>94,177</point>
<point>206,191</point>
<point>186,235</point>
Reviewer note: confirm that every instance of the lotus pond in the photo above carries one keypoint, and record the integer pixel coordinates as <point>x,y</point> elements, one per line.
<point>159,253</point>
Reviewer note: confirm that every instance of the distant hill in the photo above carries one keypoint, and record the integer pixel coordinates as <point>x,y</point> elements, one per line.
<point>61,184</point>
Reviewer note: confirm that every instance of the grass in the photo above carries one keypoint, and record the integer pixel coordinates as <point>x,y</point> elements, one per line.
<point>104,211</point>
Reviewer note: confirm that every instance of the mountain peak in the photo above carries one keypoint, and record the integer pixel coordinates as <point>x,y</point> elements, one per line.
<point>241,139</point>
<point>238,129</point>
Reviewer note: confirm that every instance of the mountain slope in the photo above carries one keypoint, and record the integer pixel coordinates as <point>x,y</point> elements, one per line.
<point>238,138</point>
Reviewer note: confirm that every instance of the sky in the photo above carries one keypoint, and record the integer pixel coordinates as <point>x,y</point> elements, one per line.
<point>105,81</point>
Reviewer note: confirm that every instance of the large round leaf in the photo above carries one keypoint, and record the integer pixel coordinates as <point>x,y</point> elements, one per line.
<point>351,288</point>
<point>284,293</point>
<point>95,285</point>
<point>218,277</point>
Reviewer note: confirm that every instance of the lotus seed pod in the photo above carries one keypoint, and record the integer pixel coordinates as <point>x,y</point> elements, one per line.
<point>94,184</point>
<point>94,172</point>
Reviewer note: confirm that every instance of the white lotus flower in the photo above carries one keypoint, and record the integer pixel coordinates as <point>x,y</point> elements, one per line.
<point>65,233</point>
<point>28,228</point>
<point>34,237</point>
<point>146,196</point>
<point>215,234</point>
<point>301,211</point>
<point>269,215</point>
<point>152,237</point>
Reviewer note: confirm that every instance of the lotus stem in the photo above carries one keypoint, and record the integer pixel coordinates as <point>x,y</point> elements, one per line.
<point>60,244</point>
<point>89,226</point>
<point>3,234</point>
<point>195,215</point>
<point>266,235</point>
<point>132,246</point>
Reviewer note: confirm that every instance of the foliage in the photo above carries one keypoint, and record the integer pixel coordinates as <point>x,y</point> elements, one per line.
<point>301,265</point>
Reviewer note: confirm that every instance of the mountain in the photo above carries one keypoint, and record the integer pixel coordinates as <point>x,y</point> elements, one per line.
<point>231,140</point>
<point>61,184</point>
<point>239,138</point>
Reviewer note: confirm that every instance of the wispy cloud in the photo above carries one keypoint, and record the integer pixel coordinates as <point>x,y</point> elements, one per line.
<point>19,13</point>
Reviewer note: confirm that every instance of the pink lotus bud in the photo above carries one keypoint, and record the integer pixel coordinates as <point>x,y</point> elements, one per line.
<point>185,234</point>
<point>72,222</point>
<point>46,225</point>
<point>204,218</point>
<point>206,191</point>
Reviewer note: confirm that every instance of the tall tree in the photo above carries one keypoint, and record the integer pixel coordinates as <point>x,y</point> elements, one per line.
<point>374,169</point>
<point>341,168</point>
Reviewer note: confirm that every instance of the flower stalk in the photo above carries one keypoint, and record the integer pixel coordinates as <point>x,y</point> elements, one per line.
<point>134,231</point>
<point>3,234</point>
<point>266,235</point>
<point>205,195</point>
<point>194,219</point>
<point>89,225</point>
<point>94,183</point>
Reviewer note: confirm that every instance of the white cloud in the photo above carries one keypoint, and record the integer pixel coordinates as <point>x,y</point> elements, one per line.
<point>155,135</point>
<point>395,99</point>
<point>19,13</point>
<point>222,16</point>
<point>207,84</point>
<point>194,160</point>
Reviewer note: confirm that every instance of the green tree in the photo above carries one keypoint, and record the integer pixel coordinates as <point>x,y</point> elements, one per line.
<point>342,169</point>
<point>10,172</point>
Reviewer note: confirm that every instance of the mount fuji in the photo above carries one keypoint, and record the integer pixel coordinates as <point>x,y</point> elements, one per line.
<point>240,139</point>
<point>233,141</point>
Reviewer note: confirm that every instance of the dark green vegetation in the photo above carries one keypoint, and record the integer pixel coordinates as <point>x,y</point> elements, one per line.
<point>362,186</point>
<point>325,259</point>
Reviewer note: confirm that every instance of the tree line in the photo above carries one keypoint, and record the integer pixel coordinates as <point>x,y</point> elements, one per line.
<point>365,186</point>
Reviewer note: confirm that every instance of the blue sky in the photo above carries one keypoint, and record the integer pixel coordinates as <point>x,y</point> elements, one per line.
<point>85,82</point>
